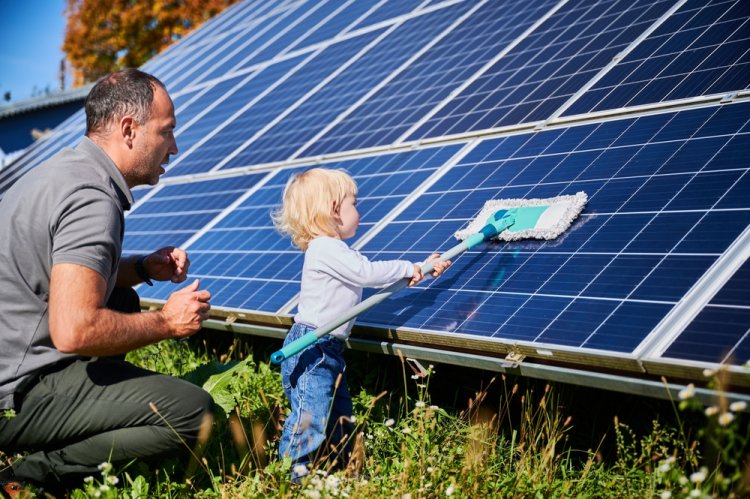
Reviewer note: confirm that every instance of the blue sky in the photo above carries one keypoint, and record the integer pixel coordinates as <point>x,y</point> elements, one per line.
<point>31,34</point>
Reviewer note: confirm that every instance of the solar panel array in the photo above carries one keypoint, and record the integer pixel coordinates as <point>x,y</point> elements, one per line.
<point>438,106</point>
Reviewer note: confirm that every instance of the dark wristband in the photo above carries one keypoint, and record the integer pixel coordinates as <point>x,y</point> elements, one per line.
<point>140,269</point>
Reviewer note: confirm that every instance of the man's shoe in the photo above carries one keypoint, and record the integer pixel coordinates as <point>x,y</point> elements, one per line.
<point>10,486</point>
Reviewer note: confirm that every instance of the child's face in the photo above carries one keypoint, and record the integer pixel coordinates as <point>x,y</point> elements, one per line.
<point>347,217</point>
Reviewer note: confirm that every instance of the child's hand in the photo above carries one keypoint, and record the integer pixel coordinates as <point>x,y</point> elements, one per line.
<point>416,276</point>
<point>438,267</point>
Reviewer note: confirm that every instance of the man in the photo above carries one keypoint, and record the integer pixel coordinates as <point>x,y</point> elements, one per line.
<point>76,402</point>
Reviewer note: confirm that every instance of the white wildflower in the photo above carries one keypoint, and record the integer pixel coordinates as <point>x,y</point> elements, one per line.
<point>711,411</point>
<point>353,419</point>
<point>666,494</point>
<point>670,460</point>
<point>105,466</point>
<point>415,376</point>
<point>683,480</point>
<point>332,482</point>
<point>434,407</point>
<point>389,422</point>
<point>104,487</point>
<point>738,406</point>
<point>664,467</point>
<point>88,479</point>
<point>406,496</point>
<point>97,494</point>
<point>695,493</point>
<point>419,404</point>
<point>726,418</point>
<point>449,491</point>
<point>113,480</point>
<point>406,430</point>
<point>369,436</point>
<point>430,469</point>
<point>300,469</point>
<point>708,373</point>
<point>687,392</point>
<point>699,476</point>
<point>313,494</point>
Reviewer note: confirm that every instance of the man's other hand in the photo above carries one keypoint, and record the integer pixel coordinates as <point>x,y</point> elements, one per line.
<point>186,309</point>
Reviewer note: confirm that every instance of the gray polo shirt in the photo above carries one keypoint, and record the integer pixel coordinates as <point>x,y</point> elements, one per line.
<point>69,209</point>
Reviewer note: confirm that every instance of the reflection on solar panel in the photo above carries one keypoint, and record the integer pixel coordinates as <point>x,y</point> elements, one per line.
<point>438,106</point>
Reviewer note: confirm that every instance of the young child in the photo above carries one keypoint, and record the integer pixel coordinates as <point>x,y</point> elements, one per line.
<point>319,212</point>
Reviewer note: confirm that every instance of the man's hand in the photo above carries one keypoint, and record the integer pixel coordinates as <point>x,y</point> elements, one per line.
<point>167,264</point>
<point>186,309</point>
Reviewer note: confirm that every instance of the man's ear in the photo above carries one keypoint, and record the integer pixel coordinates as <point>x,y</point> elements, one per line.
<point>127,130</point>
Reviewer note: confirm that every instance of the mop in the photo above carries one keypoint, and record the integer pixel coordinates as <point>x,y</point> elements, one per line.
<point>501,220</point>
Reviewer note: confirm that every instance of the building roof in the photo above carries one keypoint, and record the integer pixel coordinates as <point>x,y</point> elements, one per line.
<point>55,99</point>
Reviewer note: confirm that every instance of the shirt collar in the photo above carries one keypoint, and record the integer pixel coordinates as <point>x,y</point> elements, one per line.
<point>118,181</point>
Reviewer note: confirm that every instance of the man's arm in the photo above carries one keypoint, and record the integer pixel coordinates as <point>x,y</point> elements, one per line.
<point>80,323</point>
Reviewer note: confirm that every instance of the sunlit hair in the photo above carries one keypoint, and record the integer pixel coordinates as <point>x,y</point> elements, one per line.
<point>128,92</point>
<point>307,208</point>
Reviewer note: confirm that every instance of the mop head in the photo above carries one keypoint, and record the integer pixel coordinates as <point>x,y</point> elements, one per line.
<point>544,218</point>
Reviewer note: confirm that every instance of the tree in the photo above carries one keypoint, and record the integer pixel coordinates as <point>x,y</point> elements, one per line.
<point>105,35</point>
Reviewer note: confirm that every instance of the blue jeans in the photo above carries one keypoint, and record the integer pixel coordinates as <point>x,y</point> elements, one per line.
<point>321,407</point>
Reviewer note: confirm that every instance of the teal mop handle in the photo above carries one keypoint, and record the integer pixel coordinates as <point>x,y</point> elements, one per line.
<point>498,222</point>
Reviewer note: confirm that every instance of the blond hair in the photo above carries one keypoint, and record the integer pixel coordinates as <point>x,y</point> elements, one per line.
<point>307,208</point>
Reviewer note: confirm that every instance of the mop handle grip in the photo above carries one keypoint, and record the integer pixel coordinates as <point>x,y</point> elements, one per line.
<point>500,222</point>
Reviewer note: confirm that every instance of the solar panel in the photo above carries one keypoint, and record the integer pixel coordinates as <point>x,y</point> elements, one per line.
<point>547,67</point>
<point>436,107</point>
<point>650,231</point>
<point>700,50</point>
<point>399,42</point>
<point>389,113</point>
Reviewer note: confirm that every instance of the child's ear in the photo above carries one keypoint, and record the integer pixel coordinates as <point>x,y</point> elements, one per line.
<point>335,207</point>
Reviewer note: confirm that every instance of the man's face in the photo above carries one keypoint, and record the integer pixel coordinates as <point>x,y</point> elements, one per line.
<point>154,142</point>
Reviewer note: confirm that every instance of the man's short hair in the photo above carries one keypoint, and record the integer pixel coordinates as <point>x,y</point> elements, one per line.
<point>122,93</point>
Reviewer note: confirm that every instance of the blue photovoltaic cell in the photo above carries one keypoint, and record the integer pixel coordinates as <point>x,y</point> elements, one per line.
<point>177,212</point>
<point>389,10</point>
<point>244,126</point>
<point>653,225</point>
<point>224,23</point>
<point>219,102</point>
<point>246,264</point>
<point>385,116</point>
<point>180,101</point>
<point>260,37</point>
<point>702,49</point>
<point>734,293</point>
<point>308,19</point>
<point>38,153</point>
<point>725,322</point>
<point>717,335</point>
<point>539,75</point>
<point>297,128</point>
<point>211,150</point>
<point>207,51</point>
<point>344,19</point>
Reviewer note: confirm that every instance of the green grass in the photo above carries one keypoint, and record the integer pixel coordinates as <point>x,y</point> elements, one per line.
<point>504,440</point>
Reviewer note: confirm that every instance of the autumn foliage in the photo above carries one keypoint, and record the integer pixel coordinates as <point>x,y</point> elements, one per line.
<point>105,35</point>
